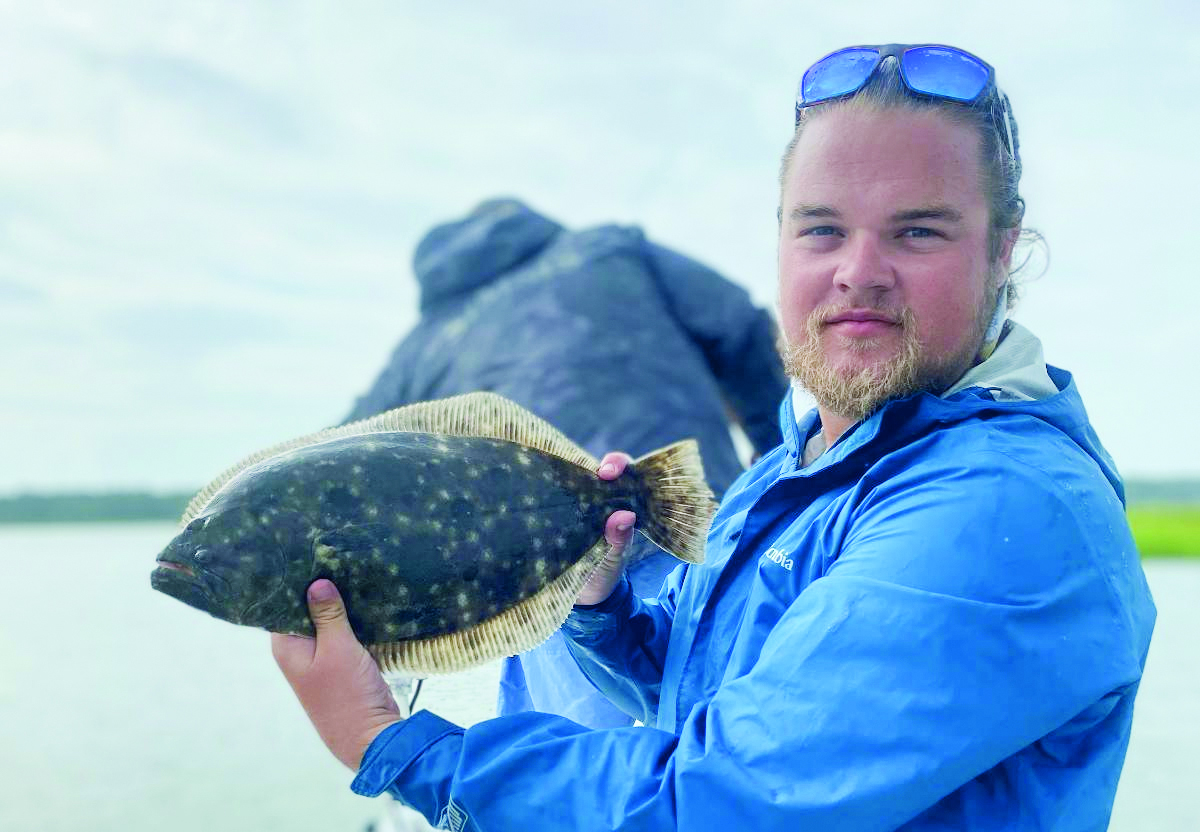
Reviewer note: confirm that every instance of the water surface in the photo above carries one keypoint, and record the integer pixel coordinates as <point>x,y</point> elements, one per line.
<point>122,709</point>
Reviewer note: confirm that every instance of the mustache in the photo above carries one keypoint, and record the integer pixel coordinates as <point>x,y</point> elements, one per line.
<point>831,313</point>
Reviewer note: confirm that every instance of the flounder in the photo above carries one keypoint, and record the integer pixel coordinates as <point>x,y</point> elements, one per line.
<point>458,531</point>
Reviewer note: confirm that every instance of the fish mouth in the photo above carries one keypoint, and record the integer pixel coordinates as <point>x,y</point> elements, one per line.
<point>181,582</point>
<point>177,567</point>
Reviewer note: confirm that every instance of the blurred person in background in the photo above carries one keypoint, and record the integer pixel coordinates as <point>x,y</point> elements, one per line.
<point>616,341</point>
<point>924,610</point>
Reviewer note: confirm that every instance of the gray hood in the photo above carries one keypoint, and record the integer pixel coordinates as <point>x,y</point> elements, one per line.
<point>456,258</point>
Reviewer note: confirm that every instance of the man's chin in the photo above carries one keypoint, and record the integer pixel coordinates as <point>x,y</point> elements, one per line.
<point>854,386</point>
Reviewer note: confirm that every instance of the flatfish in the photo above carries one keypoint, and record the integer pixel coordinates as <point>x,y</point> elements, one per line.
<point>457,531</point>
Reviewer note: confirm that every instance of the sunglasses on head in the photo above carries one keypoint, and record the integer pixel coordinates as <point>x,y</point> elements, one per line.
<point>930,70</point>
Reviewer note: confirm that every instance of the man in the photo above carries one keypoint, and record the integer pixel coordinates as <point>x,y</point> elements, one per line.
<point>560,321</point>
<point>923,611</point>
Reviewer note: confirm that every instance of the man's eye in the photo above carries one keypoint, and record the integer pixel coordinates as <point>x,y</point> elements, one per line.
<point>919,233</point>
<point>819,231</point>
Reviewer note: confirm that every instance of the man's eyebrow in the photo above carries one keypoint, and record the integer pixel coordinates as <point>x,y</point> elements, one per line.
<point>930,212</point>
<point>805,211</point>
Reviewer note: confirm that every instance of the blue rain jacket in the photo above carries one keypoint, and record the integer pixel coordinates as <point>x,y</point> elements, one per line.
<point>620,343</point>
<point>939,624</point>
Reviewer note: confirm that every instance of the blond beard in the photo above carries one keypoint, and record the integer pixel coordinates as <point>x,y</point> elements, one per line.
<point>857,393</point>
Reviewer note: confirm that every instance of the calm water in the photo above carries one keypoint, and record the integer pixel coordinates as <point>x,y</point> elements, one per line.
<point>123,710</point>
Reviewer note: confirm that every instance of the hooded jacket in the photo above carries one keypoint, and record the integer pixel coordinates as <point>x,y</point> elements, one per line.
<point>620,343</point>
<point>940,623</point>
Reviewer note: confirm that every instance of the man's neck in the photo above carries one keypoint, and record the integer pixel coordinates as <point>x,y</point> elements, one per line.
<point>833,425</point>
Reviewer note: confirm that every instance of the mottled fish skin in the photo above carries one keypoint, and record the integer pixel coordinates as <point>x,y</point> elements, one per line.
<point>424,534</point>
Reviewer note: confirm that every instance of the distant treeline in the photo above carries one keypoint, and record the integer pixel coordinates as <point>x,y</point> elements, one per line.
<point>1162,491</point>
<point>138,505</point>
<point>87,508</point>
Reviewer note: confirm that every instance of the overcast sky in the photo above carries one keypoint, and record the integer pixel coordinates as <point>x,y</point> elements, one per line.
<point>208,210</point>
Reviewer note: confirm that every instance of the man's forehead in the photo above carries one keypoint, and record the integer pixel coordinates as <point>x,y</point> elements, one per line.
<point>941,211</point>
<point>894,160</point>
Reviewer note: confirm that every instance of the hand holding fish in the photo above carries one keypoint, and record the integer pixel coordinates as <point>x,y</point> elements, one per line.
<point>335,678</point>
<point>617,531</point>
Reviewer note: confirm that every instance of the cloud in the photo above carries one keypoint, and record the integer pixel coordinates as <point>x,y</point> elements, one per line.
<point>207,211</point>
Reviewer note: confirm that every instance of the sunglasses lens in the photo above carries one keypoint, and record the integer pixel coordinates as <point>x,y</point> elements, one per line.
<point>838,74</point>
<point>949,73</point>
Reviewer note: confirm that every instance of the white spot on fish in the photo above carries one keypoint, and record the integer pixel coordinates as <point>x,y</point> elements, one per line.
<point>529,500</point>
<point>462,599</point>
<point>444,494</point>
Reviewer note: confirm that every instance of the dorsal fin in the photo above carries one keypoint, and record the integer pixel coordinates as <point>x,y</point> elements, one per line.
<point>485,415</point>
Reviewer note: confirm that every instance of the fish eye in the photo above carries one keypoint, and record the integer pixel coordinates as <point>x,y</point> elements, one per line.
<point>203,556</point>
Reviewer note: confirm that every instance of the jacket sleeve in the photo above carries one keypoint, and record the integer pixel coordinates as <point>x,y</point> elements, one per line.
<point>738,340</point>
<point>621,645</point>
<point>884,687</point>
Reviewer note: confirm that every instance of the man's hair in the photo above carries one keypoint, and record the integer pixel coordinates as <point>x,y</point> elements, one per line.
<point>1001,172</point>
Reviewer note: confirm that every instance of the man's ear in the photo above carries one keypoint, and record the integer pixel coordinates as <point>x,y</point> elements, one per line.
<point>1007,244</point>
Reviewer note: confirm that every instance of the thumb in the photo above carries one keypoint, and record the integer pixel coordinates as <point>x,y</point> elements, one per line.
<point>326,609</point>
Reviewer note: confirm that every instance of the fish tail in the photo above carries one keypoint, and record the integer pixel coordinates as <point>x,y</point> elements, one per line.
<point>679,503</point>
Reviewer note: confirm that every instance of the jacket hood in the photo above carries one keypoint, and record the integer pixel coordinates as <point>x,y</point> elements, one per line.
<point>1014,380</point>
<point>458,257</point>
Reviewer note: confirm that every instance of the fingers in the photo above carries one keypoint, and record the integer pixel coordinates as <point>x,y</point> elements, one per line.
<point>613,465</point>
<point>328,613</point>
<point>325,607</point>
<point>618,529</point>
<point>335,678</point>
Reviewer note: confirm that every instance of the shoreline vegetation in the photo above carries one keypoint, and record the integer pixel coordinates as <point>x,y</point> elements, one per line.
<point>1164,515</point>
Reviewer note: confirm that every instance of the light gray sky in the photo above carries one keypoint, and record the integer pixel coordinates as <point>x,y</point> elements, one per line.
<point>207,211</point>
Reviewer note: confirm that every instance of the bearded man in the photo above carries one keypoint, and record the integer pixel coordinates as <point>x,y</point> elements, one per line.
<point>924,610</point>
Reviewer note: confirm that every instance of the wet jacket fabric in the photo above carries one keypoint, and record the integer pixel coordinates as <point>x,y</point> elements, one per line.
<point>940,623</point>
<point>620,343</point>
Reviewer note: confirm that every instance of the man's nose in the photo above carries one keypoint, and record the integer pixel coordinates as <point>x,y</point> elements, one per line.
<point>864,265</point>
